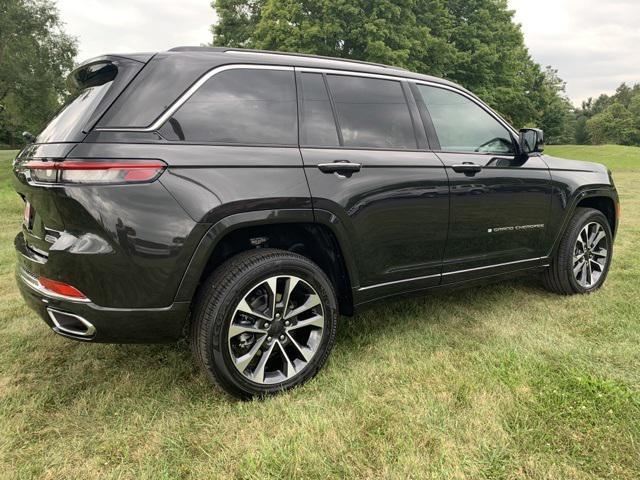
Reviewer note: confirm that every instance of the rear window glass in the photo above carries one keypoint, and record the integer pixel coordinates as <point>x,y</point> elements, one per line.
<point>68,123</point>
<point>246,106</point>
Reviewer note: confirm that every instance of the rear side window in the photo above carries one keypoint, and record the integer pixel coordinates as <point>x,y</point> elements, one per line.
<point>372,113</point>
<point>246,106</point>
<point>462,125</point>
<point>318,126</point>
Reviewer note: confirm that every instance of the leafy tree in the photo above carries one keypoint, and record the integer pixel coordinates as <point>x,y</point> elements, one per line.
<point>35,56</point>
<point>237,19</point>
<point>614,125</point>
<point>473,42</point>
<point>555,113</point>
<point>611,119</point>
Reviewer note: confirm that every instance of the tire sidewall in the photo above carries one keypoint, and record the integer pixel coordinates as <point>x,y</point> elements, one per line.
<point>217,336</point>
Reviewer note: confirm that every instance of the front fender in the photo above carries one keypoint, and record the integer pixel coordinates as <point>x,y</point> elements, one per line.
<point>565,204</point>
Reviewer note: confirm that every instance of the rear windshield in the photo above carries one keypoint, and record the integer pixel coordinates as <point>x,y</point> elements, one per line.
<point>68,124</point>
<point>94,86</point>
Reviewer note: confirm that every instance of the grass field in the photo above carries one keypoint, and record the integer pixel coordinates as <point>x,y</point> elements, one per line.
<point>504,381</point>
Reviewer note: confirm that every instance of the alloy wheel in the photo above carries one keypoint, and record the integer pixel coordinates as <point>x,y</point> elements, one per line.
<point>276,329</point>
<point>590,255</point>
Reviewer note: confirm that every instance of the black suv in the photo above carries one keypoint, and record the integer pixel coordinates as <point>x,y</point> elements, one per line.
<point>246,198</point>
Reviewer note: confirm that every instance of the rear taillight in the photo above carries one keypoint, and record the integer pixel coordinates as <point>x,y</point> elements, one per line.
<point>61,288</point>
<point>94,171</point>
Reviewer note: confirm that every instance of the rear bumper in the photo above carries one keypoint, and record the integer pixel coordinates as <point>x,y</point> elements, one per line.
<point>104,325</point>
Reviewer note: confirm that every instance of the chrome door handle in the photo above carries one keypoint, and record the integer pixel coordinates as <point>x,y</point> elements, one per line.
<point>339,166</point>
<point>467,167</point>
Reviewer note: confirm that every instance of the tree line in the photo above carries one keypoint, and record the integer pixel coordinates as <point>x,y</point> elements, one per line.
<point>35,58</point>
<point>475,43</point>
<point>610,118</point>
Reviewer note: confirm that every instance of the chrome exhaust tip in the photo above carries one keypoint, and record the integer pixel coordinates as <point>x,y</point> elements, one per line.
<point>71,324</point>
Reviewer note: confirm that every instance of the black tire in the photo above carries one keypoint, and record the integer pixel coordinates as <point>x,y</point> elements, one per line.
<point>559,277</point>
<point>215,307</point>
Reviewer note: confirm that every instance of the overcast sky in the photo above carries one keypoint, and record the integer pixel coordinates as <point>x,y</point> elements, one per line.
<point>593,43</point>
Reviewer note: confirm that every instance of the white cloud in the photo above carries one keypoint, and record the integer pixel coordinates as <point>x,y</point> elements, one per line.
<point>593,43</point>
<point>125,26</point>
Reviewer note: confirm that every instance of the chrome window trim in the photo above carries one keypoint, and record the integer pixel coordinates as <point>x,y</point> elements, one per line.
<point>157,124</point>
<point>479,103</point>
<point>414,279</point>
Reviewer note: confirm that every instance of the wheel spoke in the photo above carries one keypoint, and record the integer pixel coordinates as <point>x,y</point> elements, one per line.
<point>590,274</point>
<point>315,321</point>
<point>243,361</point>
<point>291,370</point>
<point>584,237</point>
<point>600,253</point>
<point>258,373</point>
<point>244,307</point>
<point>306,352</point>
<point>290,285</point>
<point>584,280</point>
<point>312,301</point>
<point>600,267</point>
<point>598,236</point>
<point>238,329</point>
<point>578,268</point>
<point>273,286</point>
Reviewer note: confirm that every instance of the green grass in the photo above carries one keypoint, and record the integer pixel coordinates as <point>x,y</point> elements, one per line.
<point>504,381</point>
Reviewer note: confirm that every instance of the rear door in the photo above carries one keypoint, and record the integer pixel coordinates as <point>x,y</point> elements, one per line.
<point>366,164</point>
<point>499,202</point>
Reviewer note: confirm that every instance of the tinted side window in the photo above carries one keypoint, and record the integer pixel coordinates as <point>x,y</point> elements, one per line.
<point>372,113</point>
<point>462,125</point>
<point>245,106</point>
<point>318,125</point>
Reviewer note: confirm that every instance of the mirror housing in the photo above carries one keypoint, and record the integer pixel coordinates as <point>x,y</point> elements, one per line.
<point>531,140</point>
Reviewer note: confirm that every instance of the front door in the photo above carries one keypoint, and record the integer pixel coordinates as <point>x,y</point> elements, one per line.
<point>500,204</point>
<point>365,162</point>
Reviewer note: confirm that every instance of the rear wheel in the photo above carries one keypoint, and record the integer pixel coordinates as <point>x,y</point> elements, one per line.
<point>265,321</point>
<point>582,261</point>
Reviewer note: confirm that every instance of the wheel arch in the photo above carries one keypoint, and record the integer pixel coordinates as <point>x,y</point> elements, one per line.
<point>603,199</point>
<point>293,230</point>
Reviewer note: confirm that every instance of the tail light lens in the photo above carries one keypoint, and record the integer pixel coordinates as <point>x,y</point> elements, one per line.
<point>61,288</point>
<point>94,171</point>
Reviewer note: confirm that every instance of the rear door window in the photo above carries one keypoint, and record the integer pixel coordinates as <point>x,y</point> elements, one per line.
<point>318,127</point>
<point>372,113</point>
<point>242,106</point>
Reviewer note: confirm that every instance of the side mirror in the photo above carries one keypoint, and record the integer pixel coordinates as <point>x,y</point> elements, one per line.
<point>531,140</point>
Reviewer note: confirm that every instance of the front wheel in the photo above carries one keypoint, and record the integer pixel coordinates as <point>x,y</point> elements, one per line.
<point>265,321</point>
<point>582,261</point>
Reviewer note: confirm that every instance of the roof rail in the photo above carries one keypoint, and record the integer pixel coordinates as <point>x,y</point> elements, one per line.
<point>272,52</point>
